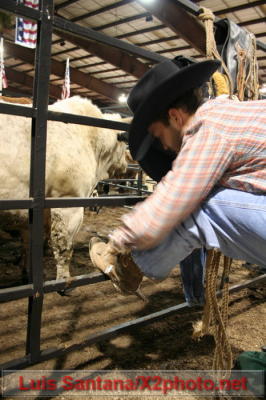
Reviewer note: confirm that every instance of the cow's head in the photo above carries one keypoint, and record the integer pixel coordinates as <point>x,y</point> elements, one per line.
<point>119,159</point>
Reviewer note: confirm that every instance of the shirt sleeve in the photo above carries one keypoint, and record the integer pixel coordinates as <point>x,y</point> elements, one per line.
<point>202,161</point>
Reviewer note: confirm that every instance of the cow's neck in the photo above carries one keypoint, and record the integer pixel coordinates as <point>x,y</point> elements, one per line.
<point>103,162</point>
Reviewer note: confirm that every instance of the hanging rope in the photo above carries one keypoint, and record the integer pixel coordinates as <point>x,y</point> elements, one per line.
<point>251,74</point>
<point>241,61</point>
<point>254,68</point>
<point>207,17</point>
<point>247,84</point>
<point>215,317</point>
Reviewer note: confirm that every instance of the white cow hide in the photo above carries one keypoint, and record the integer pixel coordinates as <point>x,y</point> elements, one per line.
<point>78,156</point>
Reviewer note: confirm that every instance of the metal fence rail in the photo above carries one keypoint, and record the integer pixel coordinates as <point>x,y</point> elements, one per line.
<point>115,330</point>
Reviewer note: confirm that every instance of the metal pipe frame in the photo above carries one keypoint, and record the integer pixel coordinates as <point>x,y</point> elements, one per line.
<point>37,177</point>
<point>63,25</point>
<point>115,330</point>
<point>31,112</point>
<point>119,180</point>
<point>36,203</point>
<point>88,33</point>
<point>136,189</point>
<point>68,26</point>
<point>60,202</point>
<point>20,10</point>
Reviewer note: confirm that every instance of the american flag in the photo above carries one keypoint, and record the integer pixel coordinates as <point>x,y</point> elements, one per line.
<point>26,30</point>
<point>66,85</point>
<point>3,80</point>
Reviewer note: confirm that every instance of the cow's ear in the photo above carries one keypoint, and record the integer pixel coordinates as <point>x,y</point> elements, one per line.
<point>122,137</point>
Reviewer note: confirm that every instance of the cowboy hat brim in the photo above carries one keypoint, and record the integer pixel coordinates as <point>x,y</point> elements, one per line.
<point>159,98</point>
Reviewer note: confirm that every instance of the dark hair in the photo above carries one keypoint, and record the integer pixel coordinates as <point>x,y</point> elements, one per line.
<point>190,101</point>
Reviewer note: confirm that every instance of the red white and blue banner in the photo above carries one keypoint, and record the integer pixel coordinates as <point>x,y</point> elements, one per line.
<point>26,30</point>
<point>3,80</point>
<point>66,85</point>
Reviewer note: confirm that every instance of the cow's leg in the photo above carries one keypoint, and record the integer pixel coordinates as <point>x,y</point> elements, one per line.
<point>25,236</point>
<point>65,223</point>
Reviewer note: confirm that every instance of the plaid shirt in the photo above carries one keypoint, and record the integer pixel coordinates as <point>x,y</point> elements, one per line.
<point>224,145</point>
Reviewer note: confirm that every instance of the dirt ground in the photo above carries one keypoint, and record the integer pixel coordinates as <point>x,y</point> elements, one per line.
<point>163,345</point>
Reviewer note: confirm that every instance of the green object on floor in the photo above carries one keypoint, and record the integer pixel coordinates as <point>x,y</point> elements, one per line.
<point>253,361</point>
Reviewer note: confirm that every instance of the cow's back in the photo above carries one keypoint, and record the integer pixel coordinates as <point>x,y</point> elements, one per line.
<point>76,158</point>
<point>15,137</point>
<point>70,159</point>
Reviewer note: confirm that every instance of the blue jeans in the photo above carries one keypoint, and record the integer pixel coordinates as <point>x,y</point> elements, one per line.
<point>230,220</point>
<point>192,274</point>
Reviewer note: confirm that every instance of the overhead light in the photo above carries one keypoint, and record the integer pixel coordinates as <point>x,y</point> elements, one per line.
<point>122,98</point>
<point>147,1</point>
<point>149,18</point>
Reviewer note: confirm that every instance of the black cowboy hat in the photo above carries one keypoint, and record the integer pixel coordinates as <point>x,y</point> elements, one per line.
<point>153,93</point>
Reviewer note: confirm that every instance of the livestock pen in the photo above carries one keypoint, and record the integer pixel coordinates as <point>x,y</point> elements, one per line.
<point>36,290</point>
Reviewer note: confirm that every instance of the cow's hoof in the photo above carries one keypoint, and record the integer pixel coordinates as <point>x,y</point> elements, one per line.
<point>66,292</point>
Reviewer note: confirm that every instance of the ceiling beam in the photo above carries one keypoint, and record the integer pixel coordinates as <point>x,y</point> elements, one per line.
<point>64,25</point>
<point>173,49</point>
<point>96,65</point>
<point>101,10</point>
<point>65,4</point>
<point>146,43</point>
<point>117,57</point>
<point>58,68</point>
<point>28,81</point>
<point>122,21</point>
<point>252,22</point>
<point>179,21</point>
<point>161,40</point>
<point>16,92</point>
<point>177,16</point>
<point>124,2</point>
<point>59,53</point>
<point>140,31</point>
<point>175,37</point>
<point>239,8</point>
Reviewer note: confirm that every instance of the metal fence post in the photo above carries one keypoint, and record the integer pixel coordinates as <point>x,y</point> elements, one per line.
<point>37,176</point>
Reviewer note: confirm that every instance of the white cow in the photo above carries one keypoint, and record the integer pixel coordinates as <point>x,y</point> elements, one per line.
<point>78,156</point>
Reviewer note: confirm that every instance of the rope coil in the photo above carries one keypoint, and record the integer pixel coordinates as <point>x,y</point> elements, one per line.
<point>207,17</point>
<point>215,316</point>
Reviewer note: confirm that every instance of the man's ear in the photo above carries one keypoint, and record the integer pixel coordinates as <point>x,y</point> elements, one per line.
<point>175,117</point>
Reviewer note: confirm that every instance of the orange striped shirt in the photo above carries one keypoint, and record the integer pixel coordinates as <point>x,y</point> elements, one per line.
<point>224,145</point>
